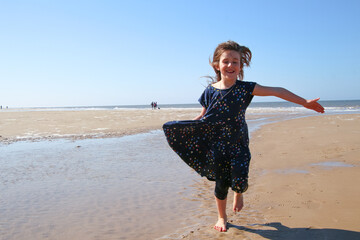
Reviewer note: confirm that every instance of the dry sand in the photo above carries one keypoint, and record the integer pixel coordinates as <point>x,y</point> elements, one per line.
<point>291,195</point>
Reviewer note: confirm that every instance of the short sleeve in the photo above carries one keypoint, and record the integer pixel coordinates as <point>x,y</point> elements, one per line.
<point>203,100</point>
<point>249,89</point>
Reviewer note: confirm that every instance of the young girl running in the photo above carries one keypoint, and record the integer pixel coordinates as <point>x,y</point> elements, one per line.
<point>216,143</point>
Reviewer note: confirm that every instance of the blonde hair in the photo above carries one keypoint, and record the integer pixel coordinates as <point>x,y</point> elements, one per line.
<point>245,57</point>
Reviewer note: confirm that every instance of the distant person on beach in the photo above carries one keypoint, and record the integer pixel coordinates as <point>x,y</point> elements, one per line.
<point>154,105</point>
<point>216,143</point>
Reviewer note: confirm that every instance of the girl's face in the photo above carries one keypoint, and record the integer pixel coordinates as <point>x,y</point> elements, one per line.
<point>229,65</point>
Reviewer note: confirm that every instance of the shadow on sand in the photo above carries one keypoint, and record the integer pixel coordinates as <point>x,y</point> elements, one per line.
<point>281,232</point>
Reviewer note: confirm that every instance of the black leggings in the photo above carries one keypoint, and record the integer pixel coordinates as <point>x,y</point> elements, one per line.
<point>221,189</point>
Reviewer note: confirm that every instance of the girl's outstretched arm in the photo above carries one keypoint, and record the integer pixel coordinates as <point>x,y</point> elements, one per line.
<point>288,96</point>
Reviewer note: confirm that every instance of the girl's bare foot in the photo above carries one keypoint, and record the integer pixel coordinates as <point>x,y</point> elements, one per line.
<point>222,218</point>
<point>238,202</point>
<point>221,225</point>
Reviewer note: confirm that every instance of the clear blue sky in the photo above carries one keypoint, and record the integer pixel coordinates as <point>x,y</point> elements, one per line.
<point>93,53</point>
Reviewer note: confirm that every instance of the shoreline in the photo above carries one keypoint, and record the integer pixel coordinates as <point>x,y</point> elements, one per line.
<point>96,124</point>
<point>50,125</point>
<point>76,125</point>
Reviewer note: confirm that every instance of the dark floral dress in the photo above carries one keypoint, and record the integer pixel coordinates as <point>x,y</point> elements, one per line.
<point>217,146</point>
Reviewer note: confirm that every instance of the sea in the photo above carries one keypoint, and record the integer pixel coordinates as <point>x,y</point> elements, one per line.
<point>130,187</point>
<point>331,106</point>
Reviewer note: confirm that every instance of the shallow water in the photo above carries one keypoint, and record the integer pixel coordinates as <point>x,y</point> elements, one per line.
<point>119,188</point>
<point>291,171</point>
<point>332,164</point>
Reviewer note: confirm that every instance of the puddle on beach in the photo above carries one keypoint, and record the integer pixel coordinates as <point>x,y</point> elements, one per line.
<point>124,188</point>
<point>326,165</point>
<point>291,171</point>
<point>332,164</point>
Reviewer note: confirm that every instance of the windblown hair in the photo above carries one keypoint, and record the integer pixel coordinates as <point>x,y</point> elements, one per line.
<point>245,57</point>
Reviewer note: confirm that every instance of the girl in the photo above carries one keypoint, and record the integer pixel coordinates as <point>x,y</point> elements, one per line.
<point>216,144</point>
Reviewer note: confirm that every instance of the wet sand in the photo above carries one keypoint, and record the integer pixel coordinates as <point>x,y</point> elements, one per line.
<point>303,181</point>
<point>37,125</point>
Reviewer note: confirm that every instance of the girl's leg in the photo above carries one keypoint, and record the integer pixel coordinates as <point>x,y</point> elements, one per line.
<point>221,224</point>
<point>221,191</point>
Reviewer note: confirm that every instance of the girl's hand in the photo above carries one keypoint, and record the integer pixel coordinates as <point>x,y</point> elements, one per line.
<point>203,111</point>
<point>314,105</point>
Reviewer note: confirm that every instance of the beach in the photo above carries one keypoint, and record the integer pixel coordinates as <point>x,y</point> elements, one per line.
<point>109,174</point>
